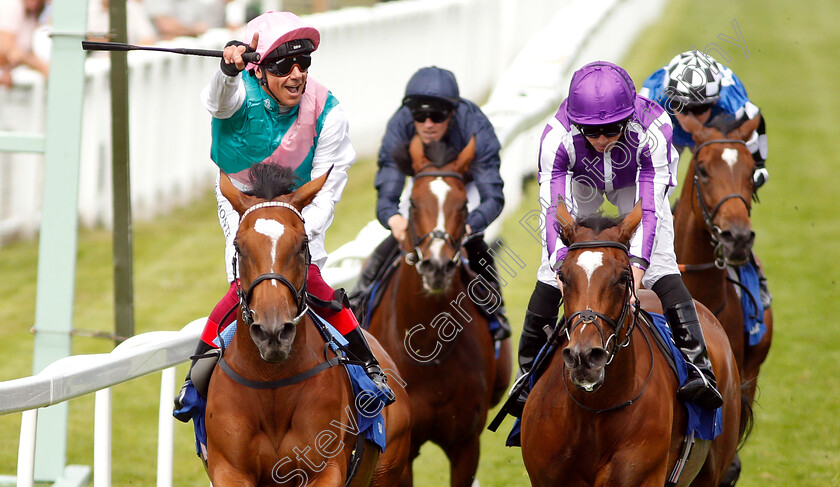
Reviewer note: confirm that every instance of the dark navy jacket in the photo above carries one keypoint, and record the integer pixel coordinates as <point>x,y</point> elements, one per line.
<point>483,170</point>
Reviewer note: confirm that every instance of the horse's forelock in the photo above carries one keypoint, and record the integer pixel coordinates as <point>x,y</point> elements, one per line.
<point>598,222</point>
<point>440,153</point>
<point>269,181</point>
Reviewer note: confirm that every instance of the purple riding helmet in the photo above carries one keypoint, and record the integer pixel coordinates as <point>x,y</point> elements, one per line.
<point>600,93</point>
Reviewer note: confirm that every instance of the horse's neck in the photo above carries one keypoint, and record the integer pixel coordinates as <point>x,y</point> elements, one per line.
<point>244,357</point>
<point>693,246</point>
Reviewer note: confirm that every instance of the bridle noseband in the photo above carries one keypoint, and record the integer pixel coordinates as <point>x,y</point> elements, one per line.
<point>589,316</point>
<point>298,293</point>
<point>416,256</point>
<point>709,216</point>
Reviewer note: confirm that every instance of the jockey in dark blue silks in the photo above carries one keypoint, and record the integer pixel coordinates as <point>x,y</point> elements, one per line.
<point>272,112</point>
<point>693,82</point>
<point>432,107</point>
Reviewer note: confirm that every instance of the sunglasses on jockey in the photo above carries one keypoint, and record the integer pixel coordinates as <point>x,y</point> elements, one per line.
<point>437,116</point>
<point>283,66</point>
<point>607,130</point>
<point>696,109</point>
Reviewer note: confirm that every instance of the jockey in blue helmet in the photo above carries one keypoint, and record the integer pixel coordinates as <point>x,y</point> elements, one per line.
<point>433,108</point>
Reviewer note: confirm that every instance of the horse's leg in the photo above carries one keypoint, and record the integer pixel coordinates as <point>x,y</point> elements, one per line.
<point>463,462</point>
<point>503,372</point>
<point>407,479</point>
<point>223,475</point>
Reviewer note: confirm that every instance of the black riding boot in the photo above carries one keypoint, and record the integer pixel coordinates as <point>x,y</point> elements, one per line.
<point>358,346</point>
<point>372,269</point>
<point>200,349</point>
<point>701,386</point>
<point>483,264</point>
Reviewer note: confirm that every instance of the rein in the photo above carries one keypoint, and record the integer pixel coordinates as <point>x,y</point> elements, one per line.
<point>709,215</point>
<point>611,343</point>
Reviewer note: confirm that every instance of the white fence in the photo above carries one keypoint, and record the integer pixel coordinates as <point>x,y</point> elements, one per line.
<point>366,57</point>
<point>527,92</point>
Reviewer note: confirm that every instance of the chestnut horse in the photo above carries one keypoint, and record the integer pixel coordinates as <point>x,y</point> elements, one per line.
<point>300,425</point>
<point>611,396</point>
<point>430,323</point>
<point>713,231</point>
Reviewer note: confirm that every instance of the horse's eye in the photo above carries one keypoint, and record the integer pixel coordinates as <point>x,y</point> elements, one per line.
<point>560,277</point>
<point>702,172</point>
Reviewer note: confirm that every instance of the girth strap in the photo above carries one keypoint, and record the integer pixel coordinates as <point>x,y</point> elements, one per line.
<point>276,384</point>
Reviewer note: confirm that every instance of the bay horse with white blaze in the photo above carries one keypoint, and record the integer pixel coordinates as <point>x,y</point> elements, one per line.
<point>713,231</point>
<point>292,420</point>
<point>430,322</point>
<point>611,395</point>
<point>714,235</point>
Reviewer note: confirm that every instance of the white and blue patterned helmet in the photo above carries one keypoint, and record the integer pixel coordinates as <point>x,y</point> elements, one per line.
<point>693,79</point>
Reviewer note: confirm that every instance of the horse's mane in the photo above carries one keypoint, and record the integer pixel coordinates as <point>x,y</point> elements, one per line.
<point>269,181</point>
<point>438,153</point>
<point>597,222</point>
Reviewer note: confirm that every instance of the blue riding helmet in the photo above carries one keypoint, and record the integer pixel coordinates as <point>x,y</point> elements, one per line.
<point>433,83</point>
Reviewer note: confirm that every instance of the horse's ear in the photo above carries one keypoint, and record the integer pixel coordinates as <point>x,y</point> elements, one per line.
<point>744,132</point>
<point>306,193</point>
<point>239,200</point>
<point>565,221</point>
<point>465,157</point>
<point>689,123</point>
<point>630,222</point>
<point>418,154</point>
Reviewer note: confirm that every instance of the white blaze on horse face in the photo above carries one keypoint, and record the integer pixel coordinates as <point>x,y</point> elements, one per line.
<point>730,155</point>
<point>273,230</point>
<point>440,189</point>
<point>589,261</point>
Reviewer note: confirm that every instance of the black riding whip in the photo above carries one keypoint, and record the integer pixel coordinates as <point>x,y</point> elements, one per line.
<point>248,57</point>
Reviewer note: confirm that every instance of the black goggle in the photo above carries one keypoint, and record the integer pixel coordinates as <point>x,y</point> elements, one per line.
<point>696,109</point>
<point>607,130</point>
<point>437,116</point>
<point>284,66</point>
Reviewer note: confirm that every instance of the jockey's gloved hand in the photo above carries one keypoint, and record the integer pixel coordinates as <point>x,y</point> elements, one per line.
<point>760,176</point>
<point>231,69</point>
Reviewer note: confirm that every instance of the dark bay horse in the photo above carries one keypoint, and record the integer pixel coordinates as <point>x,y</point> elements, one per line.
<point>303,432</point>
<point>713,231</point>
<point>611,396</point>
<point>430,323</point>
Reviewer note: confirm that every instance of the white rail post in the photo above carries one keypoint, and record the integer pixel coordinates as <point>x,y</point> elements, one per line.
<point>166,428</point>
<point>102,439</point>
<point>26,449</point>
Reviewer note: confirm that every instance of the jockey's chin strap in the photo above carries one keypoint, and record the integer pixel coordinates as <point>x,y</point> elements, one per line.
<point>298,293</point>
<point>709,216</point>
<point>416,255</point>
<point>589,316</point>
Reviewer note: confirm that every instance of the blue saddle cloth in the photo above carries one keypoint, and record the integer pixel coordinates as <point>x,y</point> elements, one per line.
<point>705,424</point>
<point>492,324</point>
<point>751,304</point>
<point>369,400</point>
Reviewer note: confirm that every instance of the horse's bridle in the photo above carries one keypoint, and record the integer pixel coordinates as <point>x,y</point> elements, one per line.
<point>589,316</point>
<point>416,256</point>
<point>298,293</point>
<point>709,216</point>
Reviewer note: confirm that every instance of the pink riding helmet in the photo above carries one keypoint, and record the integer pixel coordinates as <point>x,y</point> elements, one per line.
<point>600,93</point>
<point>277,28</point>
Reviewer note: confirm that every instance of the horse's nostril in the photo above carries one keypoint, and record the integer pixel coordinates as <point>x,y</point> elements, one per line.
<point>570,358</point>
<point>597,358</point>
<point>426,266</point>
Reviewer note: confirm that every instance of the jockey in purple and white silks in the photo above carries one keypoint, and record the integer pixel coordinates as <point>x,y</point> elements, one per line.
<point>605,141</point>
<point>271,112</point>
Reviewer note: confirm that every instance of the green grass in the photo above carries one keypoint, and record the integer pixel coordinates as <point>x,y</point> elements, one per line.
<point>790,73</point>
